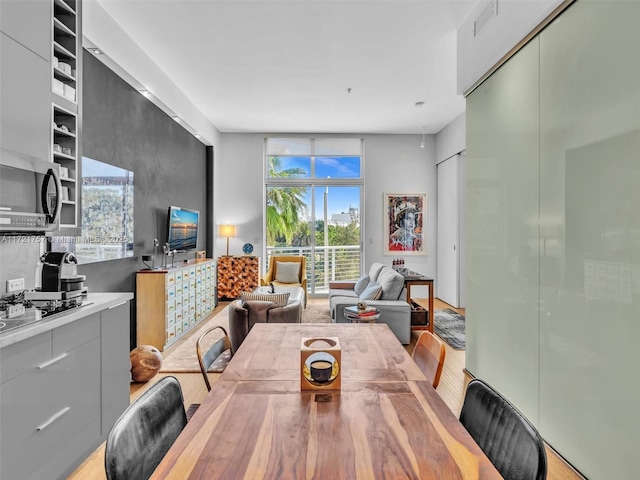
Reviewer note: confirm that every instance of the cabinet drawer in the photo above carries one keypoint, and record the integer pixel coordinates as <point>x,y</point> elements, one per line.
<point>74,334</point>
<point>23,356</point>
<point>60,398</point>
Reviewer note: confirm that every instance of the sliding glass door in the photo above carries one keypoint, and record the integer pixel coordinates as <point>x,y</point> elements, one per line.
<point>313,206</point>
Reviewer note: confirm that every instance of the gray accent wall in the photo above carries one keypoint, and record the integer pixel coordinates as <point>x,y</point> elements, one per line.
<point>121,127</point>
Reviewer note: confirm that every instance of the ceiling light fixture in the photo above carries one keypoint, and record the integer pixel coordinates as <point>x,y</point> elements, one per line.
<point>423,131</point>
<point>419,104</point>
<point>96,51</point>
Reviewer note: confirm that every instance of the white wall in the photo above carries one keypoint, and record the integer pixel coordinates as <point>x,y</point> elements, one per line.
<point>452,139</point>
<point>393,164</point>
<point>510,23</point>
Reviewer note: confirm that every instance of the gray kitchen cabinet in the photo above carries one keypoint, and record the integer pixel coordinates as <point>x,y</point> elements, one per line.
<point>60,393</point>
<point>116,368</point>
<point>25,117</point>
<point>15,15</point>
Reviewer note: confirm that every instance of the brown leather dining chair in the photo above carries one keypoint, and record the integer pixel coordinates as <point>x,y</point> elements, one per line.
<point>143,434</point>
<point>504,434</point>
<point>429,355</point>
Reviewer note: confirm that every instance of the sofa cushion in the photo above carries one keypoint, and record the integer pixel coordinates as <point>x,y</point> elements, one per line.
<point>371,292</point>
<point>280,299</point>
<point>361,284</point>
<point>375,270</point>
<point>392,284</point>
<point>288,272</point>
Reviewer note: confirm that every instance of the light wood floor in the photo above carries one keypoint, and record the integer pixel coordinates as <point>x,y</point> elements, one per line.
<point>451,388</point>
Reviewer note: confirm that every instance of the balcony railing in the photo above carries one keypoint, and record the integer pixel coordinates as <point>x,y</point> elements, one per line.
<point>331,263</point>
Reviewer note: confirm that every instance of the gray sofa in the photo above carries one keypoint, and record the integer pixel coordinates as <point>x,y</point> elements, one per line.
<point>393,307</point>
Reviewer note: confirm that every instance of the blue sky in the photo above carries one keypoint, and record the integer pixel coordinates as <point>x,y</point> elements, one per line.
<point>340,198</point>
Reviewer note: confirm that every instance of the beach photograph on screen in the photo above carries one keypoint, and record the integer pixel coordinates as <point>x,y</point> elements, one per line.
<point>183,229</point>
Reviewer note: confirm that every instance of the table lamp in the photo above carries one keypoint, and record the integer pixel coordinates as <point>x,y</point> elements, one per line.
<point>227,231</point>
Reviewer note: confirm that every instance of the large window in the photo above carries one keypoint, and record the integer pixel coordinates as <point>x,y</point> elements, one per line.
<point>313,205</point>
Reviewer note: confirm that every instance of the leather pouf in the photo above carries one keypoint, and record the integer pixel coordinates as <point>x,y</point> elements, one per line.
<point>146,362</point>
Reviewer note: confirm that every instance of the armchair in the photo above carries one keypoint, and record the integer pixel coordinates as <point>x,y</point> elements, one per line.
<point>284,278</point>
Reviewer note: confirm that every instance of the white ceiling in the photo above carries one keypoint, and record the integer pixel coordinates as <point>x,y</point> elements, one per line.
<point>286,66</point>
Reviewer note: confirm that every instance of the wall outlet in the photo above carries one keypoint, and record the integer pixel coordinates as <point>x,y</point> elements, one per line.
<point>15,285</point>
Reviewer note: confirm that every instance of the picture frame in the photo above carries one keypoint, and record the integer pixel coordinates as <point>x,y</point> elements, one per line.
<point>405,224</point>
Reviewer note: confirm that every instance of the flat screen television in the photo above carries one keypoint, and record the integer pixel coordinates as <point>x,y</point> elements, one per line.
<point>182,230</point>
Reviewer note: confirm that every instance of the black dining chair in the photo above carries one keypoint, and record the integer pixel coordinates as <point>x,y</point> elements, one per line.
<point>143,434</point>
<point>216,357</point>
<point>507,438</point>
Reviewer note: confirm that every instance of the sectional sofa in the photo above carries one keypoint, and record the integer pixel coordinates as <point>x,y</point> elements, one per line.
<point>382,282</point>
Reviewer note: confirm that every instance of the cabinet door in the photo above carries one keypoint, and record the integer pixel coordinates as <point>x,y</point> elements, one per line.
<point>116,369</point>
<point>28,23</point>
<point>25,118</point>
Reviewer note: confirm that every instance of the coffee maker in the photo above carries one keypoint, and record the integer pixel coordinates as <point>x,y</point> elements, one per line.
<point>60,273</point>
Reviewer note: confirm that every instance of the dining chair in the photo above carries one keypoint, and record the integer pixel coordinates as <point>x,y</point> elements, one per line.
<point>429,354</point>
<point>217,356</point>
<point>507,438</point>
<point>143,434</point>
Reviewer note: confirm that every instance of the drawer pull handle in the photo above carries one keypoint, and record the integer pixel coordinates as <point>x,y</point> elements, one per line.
<point>117,305</point>
<point>53,360</point>
<point>53,419</point>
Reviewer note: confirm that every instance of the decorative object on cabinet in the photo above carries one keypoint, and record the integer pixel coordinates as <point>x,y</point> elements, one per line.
<point>171,302</point>
<point>146,362</point>
<point>227,231</point>
<point>247,249</point>
<point>405,223</point>
<point>237,274</point>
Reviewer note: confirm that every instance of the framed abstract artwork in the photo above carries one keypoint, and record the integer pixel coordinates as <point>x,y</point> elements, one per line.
<point>405,223</point>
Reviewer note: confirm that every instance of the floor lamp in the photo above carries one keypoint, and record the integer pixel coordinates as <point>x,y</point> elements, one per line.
<point>227,231</point>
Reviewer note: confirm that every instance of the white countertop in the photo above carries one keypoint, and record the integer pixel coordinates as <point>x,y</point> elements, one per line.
<point>100,301</point>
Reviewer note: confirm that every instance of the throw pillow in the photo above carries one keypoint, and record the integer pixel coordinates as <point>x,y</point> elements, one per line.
<point>280,299</point>
<point>372,292</point>
<point>288,272</point>
<point>361,284</point>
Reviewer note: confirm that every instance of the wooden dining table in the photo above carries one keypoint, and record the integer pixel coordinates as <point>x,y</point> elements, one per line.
<point>386,420</point>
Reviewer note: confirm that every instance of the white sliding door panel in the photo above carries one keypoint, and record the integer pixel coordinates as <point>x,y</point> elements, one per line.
<point>590,237</point>
<point>447,284</point>
<point>502,231</point>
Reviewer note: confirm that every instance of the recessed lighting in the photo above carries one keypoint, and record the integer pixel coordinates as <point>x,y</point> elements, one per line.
<point>96,51</point>
<point>176,118</point>
<point>145,92</point>
<point>419,104</point>
<point>198,135</point>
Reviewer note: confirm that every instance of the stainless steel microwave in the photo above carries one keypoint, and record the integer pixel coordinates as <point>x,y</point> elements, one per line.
<point>30,194</point>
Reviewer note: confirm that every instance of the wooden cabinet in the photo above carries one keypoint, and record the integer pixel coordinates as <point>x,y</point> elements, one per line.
<point>60,393</point>
<point>171,302</point>
<point>236,275</point>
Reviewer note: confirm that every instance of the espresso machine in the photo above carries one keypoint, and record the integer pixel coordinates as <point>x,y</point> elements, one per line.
<point>60,273</point>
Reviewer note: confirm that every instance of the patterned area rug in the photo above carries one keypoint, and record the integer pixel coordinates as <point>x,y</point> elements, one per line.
<point>183,359</point>
<point>449,326</point>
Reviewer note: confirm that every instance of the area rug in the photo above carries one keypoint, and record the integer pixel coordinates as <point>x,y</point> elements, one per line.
<point>449,326</point>
<point>183,359</point>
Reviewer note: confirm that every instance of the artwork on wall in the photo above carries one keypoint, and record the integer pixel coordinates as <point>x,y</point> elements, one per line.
<point>405,223</point>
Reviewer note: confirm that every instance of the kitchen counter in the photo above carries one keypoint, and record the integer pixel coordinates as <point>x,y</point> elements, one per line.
<point>99,302</point>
